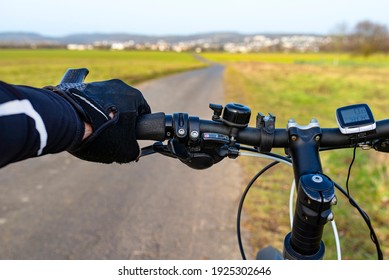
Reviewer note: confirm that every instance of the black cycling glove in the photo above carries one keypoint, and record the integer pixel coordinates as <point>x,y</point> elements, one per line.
<point>113,139</point>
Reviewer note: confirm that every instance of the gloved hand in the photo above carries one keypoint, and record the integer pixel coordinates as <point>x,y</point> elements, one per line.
<point>113,138</point>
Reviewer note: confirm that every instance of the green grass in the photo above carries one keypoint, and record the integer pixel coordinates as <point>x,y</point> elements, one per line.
<point>342,59</point>
<point>302,91</point>
<point>46,67</point>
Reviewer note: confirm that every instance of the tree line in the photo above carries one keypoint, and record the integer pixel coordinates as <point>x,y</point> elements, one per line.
<point>365,38</point>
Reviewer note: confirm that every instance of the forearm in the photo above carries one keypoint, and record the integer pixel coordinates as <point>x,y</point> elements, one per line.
<point>35,122</point>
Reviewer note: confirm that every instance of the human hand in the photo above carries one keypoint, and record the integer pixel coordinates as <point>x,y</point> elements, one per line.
<point>109,110</point>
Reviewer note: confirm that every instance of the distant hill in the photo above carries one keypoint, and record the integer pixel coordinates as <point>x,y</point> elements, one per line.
<point>20,38</point>
<point>24,37</point>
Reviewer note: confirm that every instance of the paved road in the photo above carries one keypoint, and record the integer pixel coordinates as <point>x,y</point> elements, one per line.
<point>59,207</point>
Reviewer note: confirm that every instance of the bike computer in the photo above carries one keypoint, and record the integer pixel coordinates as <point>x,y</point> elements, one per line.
<point>355,119</point>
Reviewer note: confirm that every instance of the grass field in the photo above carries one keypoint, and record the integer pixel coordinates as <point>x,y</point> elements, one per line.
<point>46,67</point>
<point>321,59</point>
<point>296,86</point>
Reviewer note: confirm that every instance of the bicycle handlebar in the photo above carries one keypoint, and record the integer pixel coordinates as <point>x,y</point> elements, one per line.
<point>232,128</point>
<point>153,127</point>
<point>206,142</point>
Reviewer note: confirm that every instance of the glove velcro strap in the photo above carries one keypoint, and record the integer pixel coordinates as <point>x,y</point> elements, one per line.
<point>95,113</point>
<point>89,110</point>
<point>115,138</point>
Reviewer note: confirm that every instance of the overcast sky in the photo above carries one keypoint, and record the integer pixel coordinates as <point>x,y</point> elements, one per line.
<point>165,17</point>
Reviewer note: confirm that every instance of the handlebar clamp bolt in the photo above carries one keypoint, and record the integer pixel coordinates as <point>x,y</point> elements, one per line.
<point>334,201</point>
<point>317,138</point>
<point>194,134</point>
<point>294,137</point>
<point>181,131</point>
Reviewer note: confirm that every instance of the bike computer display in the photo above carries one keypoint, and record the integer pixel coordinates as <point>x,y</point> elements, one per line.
<point>355,119</point>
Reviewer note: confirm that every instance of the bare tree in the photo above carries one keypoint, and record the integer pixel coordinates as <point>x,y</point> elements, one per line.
<point>368,38</point>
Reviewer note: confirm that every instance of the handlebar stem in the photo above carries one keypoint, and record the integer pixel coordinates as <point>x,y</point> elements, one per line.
<point>304,143</point>
<point>314,193</point>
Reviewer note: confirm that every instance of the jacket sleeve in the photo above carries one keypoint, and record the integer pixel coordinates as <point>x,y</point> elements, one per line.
<point>35,122</point>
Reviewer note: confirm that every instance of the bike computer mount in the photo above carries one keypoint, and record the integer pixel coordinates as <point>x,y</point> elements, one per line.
<point>355,119</point>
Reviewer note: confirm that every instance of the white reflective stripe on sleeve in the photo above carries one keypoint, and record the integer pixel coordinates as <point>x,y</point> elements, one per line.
<point>25,107</point>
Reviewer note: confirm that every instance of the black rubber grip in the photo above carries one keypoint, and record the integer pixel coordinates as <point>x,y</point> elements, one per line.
<point>151,127</point>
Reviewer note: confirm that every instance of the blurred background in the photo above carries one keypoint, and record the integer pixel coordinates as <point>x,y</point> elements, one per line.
<point>297,59</point>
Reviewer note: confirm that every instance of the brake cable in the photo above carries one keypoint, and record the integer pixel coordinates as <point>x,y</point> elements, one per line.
<point>279,159</point>
<point>240,208</point>
<point>149,150</point>
<point>364,215</point>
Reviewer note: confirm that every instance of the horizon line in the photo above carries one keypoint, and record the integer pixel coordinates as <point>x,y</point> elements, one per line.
<point>168,35</point>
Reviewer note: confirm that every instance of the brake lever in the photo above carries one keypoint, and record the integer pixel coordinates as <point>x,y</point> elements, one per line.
<point>157,147</point>
<point>173,149</point>
<point>146,151</point>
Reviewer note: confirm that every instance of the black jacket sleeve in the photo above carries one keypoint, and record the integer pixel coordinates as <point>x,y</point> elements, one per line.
<point>34,122</point>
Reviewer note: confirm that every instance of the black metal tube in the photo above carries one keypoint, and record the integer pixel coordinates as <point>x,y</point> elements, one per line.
<point>305,239</point>
<point>151,126</point>
<point>304,150</point>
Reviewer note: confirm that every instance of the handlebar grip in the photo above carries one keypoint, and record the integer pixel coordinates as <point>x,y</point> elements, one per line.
<point>151,127</point>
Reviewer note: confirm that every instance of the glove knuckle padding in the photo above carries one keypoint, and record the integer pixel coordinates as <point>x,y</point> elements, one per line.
<point>113,139</point>
<point>116,93</point>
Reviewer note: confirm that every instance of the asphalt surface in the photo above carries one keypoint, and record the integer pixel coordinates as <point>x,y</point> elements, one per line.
<point>59,207</point>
